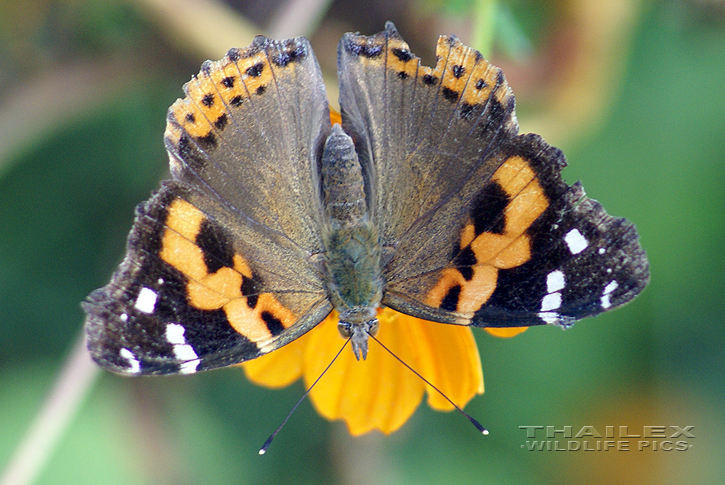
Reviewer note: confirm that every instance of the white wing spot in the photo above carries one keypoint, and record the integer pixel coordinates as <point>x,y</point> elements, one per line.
<point>146,300</point>
<point>182,351</point>
<point>606,303</point>
<point>175,334</point>
<point>123,317</point>
<point>602,250</point>
<point>131,359</point>
<point>611,287</point>
<point>551,302</point>
<point>189,367</point>
<point>160,281</point>
<point>576,241</point>
<point>555,281</point>
<point>549,317</point>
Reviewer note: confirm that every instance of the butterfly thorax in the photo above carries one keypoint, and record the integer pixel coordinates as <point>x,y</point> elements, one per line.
<point>352,255</point>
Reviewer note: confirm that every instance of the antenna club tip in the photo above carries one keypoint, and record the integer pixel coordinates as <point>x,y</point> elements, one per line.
<point>485,432</point>
<point>266,444</point>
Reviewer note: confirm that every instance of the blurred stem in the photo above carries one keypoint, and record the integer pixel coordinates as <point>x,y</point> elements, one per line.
<point>205,28</point>
<point>297,17</point>
<point>70,388</point>
<point>484,25</point>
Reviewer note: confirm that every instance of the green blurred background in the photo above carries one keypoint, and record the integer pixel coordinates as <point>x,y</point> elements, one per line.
<point>632,91</point>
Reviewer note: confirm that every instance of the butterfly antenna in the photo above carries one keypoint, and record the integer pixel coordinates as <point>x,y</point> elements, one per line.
<point>266,444</point>
<point>473,421</point>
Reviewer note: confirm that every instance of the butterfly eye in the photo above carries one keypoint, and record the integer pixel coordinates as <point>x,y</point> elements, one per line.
<point>374,326</point>
<point>345,329</point>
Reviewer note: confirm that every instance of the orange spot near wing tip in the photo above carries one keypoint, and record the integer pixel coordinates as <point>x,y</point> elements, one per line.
<point>506,332</point>
<point>378,393</point>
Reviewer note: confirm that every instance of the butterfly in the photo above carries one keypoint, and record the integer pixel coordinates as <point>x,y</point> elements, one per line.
<point>424,199</point>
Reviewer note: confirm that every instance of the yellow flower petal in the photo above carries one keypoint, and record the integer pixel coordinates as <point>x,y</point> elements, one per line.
<point>279,368</point>
<point>447,356</point>
<point>335,116</point>
<point>506,332</point>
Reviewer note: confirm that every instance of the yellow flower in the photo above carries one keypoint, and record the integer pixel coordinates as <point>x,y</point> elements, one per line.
<point>379,392</point>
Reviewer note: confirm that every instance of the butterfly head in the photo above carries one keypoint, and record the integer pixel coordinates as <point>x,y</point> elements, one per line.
<point>358,324</point>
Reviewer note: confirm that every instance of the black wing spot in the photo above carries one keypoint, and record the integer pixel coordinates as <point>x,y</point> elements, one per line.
<point>464,262</point>
<point>467,110</point>
<point>449,94</point>
<point>499,78</point>
<point>458,71</point>
<point>289,56</point>
<point>208,100</point>
<point>480,84</point>
<point>255,70</point>
<point>190,153</point>
<point>450,301</point>
<point>207,141</point>
<point>466,272</point>
<point>274,324</point>
<point>233,54</point>
<point>361,49</point>
<point>260,90</point>
<point>228,81</point>
<point>489,210</point>
<point>403,75</point>
<point>216,245</point>
<point>429,79</point>
<point>403,54</point>
<point>190,118</point>
<point>250,290</point>
<point>281,60</point>
<point>236,101</point>
<point>221,122</point>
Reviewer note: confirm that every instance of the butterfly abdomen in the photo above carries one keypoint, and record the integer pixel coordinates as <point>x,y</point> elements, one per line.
<point>343,186</point>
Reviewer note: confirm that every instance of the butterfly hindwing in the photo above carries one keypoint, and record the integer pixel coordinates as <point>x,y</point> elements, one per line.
<point>530,250</point>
